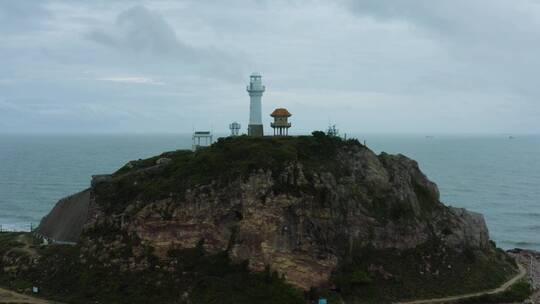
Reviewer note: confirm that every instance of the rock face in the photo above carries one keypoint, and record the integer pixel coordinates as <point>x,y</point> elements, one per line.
<point>473,228</point>
<point>298,217</point>
<point>66,220</point>
<point>302,235</point>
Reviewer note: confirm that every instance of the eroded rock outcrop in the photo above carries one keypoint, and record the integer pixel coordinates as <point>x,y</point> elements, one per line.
<point>301,213</point>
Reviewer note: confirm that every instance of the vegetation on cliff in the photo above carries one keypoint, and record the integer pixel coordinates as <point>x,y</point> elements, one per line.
<point>427,271</point>
<point>227,159</point>
<point>65,273</point>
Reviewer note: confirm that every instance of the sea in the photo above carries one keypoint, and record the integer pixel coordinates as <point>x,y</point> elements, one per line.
<point>496,175</point>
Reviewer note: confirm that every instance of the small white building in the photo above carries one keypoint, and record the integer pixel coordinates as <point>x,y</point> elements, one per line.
<point>201,139</point>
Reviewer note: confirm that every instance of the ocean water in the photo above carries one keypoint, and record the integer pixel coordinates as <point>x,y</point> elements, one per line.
<point>494,175</point>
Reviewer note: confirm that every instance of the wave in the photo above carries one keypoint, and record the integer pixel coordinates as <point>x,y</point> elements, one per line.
<point>531,215</point>
<point>522,244</point>
<point>15,227</point>
<point>526,244</point>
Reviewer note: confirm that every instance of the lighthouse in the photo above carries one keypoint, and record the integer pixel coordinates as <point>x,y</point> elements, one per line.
<point>255,90</point>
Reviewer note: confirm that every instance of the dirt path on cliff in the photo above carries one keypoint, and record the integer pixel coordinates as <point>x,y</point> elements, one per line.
<point>522,272</point>
<point>11,297</point>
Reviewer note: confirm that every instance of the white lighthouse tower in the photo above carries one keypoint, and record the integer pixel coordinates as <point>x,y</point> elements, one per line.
<point>255,90</point>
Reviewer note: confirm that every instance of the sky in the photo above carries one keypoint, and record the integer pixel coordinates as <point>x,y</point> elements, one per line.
<point>373,66</point>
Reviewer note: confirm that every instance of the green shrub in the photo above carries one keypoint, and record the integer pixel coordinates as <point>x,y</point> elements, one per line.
<point>397,274</point>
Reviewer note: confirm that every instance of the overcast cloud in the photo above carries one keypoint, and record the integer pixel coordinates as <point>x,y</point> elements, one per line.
<point>422,66</point>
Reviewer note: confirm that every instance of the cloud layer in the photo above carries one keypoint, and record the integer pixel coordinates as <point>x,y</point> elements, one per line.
<point>451,66</point>
<point>140,30</point>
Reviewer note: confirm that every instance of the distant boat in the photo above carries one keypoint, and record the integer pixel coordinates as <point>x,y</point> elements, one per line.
<point>511,137</point>
<point>430,136</point>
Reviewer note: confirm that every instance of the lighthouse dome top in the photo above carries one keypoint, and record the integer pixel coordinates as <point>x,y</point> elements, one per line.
<point>256,74</point>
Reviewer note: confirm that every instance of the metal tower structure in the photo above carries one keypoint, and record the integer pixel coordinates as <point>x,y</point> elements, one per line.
<point>235,128</point>
<point>255,90</point>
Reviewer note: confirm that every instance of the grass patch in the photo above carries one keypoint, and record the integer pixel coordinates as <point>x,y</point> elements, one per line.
<point>428,271</point>
<point>8,241</point>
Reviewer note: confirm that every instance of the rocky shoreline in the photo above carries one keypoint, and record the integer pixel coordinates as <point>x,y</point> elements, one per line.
<point>531,261</point>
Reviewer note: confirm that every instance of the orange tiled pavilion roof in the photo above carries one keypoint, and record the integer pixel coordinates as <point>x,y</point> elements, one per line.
<point>280,112</point>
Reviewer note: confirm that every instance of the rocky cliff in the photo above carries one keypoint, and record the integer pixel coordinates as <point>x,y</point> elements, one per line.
<point>66,220</point>
<point>323,213</point>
